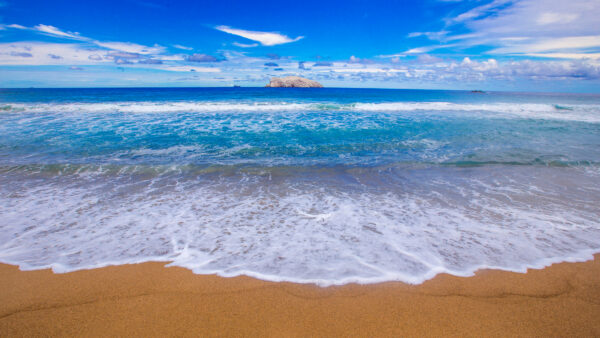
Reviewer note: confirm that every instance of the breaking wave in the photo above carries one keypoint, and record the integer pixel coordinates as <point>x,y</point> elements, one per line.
<point>583,112</point>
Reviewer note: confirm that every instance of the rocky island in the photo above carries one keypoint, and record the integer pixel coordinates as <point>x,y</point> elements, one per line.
<point>293,82</point>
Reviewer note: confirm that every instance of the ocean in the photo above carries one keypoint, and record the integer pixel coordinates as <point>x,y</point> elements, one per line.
<point>327,186</point>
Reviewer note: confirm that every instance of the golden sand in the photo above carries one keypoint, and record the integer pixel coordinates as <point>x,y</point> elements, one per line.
<point>151,300</point>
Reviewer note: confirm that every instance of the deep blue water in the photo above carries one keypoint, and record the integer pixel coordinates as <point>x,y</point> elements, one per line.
<point>311,185</point>
<point>338,95</point>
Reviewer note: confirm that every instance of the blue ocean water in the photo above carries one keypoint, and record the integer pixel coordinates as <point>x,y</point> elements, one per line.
<point>308,185</point>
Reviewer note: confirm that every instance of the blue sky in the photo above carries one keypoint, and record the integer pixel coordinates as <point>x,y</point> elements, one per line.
<point>531,45</point>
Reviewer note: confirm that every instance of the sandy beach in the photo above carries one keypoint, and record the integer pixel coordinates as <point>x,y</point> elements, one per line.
<point>151,300</point>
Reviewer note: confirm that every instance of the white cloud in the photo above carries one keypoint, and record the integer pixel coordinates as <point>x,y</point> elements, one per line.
<point>191,69</point>
<point>245,45</point>
<point>566,55</point>
<point>551,45</point>
<point>523,27</point>
<point>430,35</point>
<point>541,18</point>
<point>171,57</point>
<point>53,31</point>
<point>354,59</point>
<point>418,50</point>
<point>183,47</point>
<point>427,59</point>
<point>264,38</point>
<point>127,47</point>
<point>553,17</point>
<point>480,11</point>
<point>130,47</point>
<point>480,71</point>
<point>391,56</point>
<point>366,70</point>
<point>50,31</point>
<point>43,53</point>
<point>16,26</point>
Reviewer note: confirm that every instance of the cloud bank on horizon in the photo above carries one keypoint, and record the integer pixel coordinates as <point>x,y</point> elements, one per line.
<point>495,44</point>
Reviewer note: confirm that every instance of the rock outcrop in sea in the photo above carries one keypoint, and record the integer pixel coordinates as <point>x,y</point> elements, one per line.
<point>293,82</point>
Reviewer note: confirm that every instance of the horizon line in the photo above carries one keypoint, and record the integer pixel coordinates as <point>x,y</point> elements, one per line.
<point>287,88</point>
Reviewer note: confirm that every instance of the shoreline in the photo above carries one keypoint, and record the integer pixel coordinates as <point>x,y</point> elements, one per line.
<point>148,299</point>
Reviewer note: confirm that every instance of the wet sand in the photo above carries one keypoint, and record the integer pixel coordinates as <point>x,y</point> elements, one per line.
<point>151,300</point>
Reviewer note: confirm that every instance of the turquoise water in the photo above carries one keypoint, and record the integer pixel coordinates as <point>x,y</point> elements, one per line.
<point>309,185</point>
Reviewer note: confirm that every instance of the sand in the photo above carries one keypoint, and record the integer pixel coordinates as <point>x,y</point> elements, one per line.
<point>151,300</point>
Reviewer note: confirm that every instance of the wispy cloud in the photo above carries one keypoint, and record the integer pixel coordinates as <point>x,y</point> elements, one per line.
<point>481,11</point>
<point>127,47</point>
<point>418,50</point>
<point>430,35</point>
<point>245,45</point>
<point>577,43</point>
<point>549,18</point>
<point>264,38</point>
<point>523,27</point>
<point>565,55</point>
<point>15,26</point>
<point>182,47</point>
<point>45,53</point>
<point>53,31</point>
<point>130,47</point>
<point>49,31</point>
<point>191,69</point>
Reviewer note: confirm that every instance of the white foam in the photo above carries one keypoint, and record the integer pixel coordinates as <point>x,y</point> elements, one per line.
<point>584,113</point>
<point>316,231</point>
<point>174,150</point>
<point>157,107</point>
<point>580,112</point>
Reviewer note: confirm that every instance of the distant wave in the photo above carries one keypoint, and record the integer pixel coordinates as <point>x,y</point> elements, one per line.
<point>583,113</point>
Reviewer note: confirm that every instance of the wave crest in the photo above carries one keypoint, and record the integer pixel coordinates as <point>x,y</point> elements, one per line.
<point>584,113</point>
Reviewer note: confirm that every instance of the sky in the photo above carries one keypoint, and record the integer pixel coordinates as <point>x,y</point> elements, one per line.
<point>512,45</point>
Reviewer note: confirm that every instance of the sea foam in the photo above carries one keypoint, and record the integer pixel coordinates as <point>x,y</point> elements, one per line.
<point>580,112</point>
<point>311,226</point>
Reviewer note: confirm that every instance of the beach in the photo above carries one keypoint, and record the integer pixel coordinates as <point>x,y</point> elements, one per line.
<point>150,300</point>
